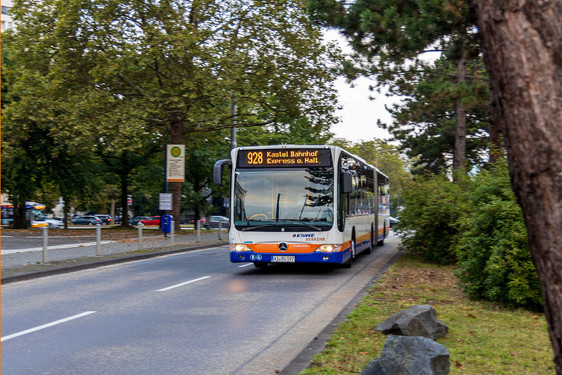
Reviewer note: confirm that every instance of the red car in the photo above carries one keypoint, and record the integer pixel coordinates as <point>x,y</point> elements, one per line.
<point>153,220</point>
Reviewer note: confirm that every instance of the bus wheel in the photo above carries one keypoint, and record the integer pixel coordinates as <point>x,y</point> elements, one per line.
<point>260,264</point>
<point>371,247</point>
<point>353,252</point>
<point>348,263</point>
<point>381,242</point>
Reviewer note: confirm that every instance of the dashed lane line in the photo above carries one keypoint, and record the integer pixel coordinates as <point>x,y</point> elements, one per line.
<point>182,284</point>
<point>60,321</point>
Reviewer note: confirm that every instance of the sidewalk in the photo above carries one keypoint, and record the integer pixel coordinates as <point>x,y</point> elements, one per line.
<point>29,264</point>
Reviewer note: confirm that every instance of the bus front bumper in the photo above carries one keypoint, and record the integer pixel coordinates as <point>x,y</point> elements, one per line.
<point>338,257</point>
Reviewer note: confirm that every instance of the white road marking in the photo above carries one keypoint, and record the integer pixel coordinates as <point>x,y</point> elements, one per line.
<point>245,265</point>
<point>30,249</point>
<point>46,325</point>
<point>182,284</point>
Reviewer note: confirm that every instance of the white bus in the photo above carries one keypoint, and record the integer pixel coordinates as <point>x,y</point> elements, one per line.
<point>296,203</point>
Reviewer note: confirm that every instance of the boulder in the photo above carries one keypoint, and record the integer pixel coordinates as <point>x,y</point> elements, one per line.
<point>406,355</point>
<point>418,320</point>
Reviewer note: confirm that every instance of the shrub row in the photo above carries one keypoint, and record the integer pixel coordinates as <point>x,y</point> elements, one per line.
<point>476,224</point>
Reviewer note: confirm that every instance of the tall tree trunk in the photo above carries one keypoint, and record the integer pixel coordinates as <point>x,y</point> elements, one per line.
<point>522,43</point>
<point>459,156</point>
<point>495,131</point>
<point>20,215</point>
<point>65,211</point>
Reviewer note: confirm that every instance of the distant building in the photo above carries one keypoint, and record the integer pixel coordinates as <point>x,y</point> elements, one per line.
<point>7,22</point>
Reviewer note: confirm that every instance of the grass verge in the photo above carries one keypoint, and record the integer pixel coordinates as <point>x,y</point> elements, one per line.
<point>483,338</point>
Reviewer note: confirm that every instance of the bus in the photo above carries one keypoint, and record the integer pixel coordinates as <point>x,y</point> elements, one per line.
<point>296,203</point>
<point>33,211</point>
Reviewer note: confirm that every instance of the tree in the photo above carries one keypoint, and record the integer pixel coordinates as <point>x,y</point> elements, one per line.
<point>389,39</point>
<point>299,131</point>
<point>425,121</point>
<point>172,68</point>
<point>522,45</point>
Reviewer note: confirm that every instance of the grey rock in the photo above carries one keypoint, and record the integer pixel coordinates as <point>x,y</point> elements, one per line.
<point>418,320</point>
<point>406,355</point>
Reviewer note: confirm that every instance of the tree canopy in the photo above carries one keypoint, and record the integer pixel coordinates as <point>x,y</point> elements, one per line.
<point>131,76</point>
<point>390,41</point>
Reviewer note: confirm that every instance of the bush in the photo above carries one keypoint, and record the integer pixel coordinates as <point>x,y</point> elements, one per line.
<point>493,254</point>
<point>478,224</point>
<point>428,222</point>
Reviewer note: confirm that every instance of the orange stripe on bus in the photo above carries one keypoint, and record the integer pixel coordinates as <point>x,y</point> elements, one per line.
<point>274,248</point>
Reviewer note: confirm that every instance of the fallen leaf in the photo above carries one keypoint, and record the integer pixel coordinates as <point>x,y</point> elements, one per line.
<point>363,353</point>
<point>458,365</point>
<point>470,316</point>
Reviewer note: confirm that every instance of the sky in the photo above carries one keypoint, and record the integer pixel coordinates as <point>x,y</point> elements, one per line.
<point>359,114</point>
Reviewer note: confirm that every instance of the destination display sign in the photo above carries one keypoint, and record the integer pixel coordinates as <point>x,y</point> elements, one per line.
<point>299,157</point>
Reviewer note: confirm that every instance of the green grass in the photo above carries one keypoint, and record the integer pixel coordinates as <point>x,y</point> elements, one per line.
<point>483,338</point>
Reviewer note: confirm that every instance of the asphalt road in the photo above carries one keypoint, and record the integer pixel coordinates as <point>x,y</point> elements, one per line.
<point>190,313</point>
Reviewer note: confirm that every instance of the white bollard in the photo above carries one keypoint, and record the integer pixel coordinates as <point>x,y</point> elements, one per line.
<point>172,230</point>
<point>140,236</point>
<point>45,243</point>
<point>98,239</point>
<point>198,230</point>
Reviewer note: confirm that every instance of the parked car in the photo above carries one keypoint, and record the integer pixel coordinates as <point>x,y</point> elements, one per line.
<point>137,219</point>
<point>86,220</point>
<point>51,222</point>
<point>214,222</point>
<point>152,220</point>
<point>106,219</point>
<point>393,220</point>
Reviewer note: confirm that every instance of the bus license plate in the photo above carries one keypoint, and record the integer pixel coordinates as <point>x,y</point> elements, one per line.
<point>283,258</point>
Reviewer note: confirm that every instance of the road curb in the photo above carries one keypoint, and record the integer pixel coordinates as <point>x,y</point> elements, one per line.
<point>316,345</point>
<point>94,262</point>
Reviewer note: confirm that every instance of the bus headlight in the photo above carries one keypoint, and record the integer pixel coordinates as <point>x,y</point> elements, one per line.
<point>241,247</point>
<point>328,248</point>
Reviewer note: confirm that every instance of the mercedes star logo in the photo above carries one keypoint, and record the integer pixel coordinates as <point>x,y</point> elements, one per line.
<point>283,246</point>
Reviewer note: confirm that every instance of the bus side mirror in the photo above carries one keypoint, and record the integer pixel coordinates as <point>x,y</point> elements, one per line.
<point>346,183</point>
<point>217,170</point>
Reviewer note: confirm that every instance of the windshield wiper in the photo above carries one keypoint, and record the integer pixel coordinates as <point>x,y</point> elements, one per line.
<point>260,226</point>
<point>282,226</point>
<point>306,225</point>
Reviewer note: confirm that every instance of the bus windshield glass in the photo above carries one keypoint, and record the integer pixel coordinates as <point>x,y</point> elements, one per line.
<point>279,199</point>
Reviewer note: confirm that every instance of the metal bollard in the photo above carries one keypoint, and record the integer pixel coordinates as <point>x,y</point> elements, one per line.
<point>140,236</point>
<point>172,229</point>
<point>98,239</point>
<point>220,227</point>
<point>45,243</point>
<point>198,230</point>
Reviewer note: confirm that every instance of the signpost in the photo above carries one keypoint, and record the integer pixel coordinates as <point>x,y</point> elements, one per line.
<point>175,163</point>
<point>175,172</point>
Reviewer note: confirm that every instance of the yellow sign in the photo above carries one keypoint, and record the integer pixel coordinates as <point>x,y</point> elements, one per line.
<point>175,163</point>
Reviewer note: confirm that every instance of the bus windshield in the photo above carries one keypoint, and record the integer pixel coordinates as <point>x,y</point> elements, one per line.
<point>275,199</point>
